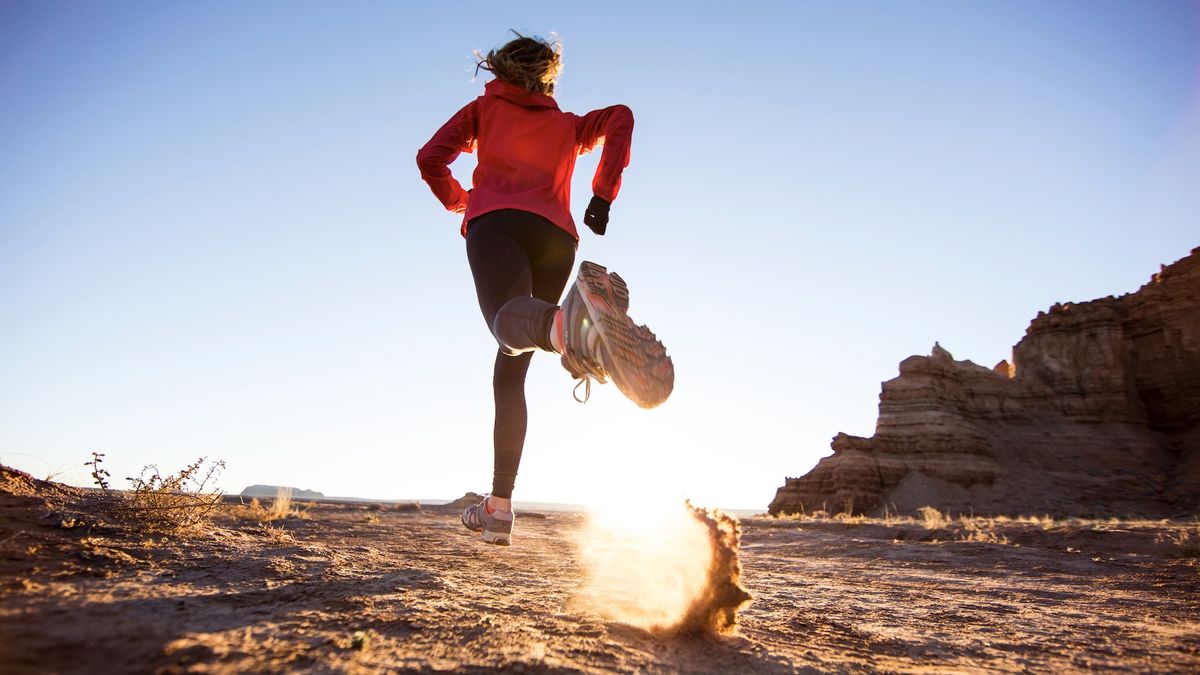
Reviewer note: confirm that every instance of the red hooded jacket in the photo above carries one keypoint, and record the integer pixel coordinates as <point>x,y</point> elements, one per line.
<point>527,150</point>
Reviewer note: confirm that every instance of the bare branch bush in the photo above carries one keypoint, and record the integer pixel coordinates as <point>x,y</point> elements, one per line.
<point>99,474</point>
<point>173,501</point>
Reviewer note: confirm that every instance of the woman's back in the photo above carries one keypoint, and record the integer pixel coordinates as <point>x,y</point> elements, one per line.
<point>527,149</point>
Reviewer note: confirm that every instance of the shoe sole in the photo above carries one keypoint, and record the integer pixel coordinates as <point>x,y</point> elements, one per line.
<point>636,359</point>
<point>497,538</point>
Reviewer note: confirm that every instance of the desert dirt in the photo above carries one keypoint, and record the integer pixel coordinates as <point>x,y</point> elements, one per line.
<point>364,588</point>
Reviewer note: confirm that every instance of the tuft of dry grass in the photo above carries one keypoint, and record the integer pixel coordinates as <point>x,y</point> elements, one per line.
<point>282,506</point>
<point>848,517</point>
<point>1045,522</point>
<point>932,518</point>
<point>276,534</point>
<point>981,530</point>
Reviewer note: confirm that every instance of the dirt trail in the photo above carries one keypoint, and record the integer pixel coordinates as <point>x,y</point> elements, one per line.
<point>362,589</point>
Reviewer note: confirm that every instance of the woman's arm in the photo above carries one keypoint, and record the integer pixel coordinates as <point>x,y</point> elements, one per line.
<point>456,136</point>
<point>611,127</point>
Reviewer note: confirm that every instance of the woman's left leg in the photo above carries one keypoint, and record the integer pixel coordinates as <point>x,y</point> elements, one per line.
<point>550,274</point>
<point>521,264</point>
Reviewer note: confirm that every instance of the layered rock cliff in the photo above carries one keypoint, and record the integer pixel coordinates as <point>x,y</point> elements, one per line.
<point>1097,415</point>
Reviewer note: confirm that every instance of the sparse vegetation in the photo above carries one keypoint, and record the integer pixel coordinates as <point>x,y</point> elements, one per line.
<point>276,534</point>
<point>1187,541</point>
<point>1046,522</point>
<point>174,501</point>
<point>360,640</point>
<point>1000,529</point>
<point>932,518</point>
<point>396,592</point>
<point>99,474</point>
<point>281,508</point>
<point>982,530</point>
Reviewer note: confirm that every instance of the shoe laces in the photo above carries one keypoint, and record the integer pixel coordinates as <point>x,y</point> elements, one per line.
<point>584,361</point>
<point>585,381</point>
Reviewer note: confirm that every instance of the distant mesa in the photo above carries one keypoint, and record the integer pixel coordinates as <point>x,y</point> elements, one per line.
<point>1098,415</point>
<point>456,506</point>
<point>270,491</point>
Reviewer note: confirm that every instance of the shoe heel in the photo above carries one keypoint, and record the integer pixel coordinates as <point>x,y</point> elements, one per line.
<point>610,285</point>
<point>620,291</point>
<point>497,538</point>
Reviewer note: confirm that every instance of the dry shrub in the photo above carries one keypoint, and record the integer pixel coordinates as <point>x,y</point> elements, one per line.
<point>847,515</point>
<point>1187,541</point>
<point>932,518</point>
<point>982,530</point>
<point>174,501</point>
<point>276,534</point>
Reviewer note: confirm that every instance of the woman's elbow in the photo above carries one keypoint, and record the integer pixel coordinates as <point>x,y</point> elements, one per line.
<point>623,110</point>
<point>423,159</point>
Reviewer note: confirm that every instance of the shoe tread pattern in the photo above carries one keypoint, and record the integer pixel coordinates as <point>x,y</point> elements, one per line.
<point>635,358</point>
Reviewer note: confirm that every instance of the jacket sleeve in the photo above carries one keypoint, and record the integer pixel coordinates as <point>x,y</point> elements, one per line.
<point>611,127</point>
<point>456,136</point>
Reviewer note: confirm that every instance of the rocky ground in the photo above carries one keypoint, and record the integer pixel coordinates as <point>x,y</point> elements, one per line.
<point>373,588</point>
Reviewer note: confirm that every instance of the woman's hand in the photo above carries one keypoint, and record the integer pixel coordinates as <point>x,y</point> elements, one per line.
<point>596,215</point>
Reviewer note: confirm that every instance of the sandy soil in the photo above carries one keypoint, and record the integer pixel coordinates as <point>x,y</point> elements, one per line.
<point>366,588</point>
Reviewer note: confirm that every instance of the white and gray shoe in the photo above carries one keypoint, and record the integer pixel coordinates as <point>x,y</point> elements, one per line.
<point>495,526</point>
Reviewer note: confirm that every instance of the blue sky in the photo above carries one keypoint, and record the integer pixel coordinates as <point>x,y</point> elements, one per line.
<point>214,239</point>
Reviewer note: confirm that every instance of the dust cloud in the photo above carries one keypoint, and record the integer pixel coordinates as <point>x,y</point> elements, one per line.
<point>672,568</point>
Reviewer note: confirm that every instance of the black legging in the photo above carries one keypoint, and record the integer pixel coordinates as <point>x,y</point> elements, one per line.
<point>521,263</point>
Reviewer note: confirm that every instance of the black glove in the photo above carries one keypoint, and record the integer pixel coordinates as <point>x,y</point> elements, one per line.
<point>596,216</point>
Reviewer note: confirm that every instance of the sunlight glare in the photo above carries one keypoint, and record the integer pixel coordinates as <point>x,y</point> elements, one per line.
<point>645,563</point>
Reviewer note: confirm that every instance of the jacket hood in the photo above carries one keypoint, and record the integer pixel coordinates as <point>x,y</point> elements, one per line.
<point>518,95</point>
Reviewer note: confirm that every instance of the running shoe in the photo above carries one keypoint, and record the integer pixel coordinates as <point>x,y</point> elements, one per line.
<point>600,341</point>
<point>495,526</point>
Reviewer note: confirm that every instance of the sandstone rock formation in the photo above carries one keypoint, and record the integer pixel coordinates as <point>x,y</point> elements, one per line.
<point>1098,415</point>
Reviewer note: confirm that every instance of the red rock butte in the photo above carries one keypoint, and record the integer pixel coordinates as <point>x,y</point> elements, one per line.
<point>1098,415</point>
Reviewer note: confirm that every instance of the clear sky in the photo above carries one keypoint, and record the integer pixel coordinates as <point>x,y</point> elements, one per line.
<point>214,239</point>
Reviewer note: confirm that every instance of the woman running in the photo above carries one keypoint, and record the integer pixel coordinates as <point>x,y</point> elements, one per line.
<point>521,242</point>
